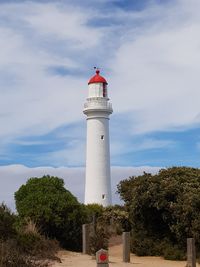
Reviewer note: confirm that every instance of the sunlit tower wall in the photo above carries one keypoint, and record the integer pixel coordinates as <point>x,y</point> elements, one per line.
<point>97,109</point>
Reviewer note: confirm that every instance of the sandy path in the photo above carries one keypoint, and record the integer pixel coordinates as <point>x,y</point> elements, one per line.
<point>71,259</point>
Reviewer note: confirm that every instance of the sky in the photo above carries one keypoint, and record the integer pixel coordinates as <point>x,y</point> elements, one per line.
<point>149,52</point>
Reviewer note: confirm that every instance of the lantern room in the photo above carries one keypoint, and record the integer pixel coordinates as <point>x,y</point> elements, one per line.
<point>97,86</point>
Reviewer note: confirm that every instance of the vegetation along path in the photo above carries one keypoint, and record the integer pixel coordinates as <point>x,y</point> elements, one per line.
<point>73,259</point>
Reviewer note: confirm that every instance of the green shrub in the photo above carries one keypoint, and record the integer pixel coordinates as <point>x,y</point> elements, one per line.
<point>27,249</point>
<point>23,246</point>
<point>94,211</point>
<point>7,221</point>
<point>118,219</point>
<point>108,221</point>
<point>99,239</point>
<point>144,246</point>
<point>173,252</point>
<point>53,208</point>
<point>10,256</point>
<point>37,246</point>
<point>165,206</point>
<point>28,242</point>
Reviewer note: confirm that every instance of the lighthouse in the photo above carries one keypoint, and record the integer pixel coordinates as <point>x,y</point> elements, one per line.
<point>97,109</point>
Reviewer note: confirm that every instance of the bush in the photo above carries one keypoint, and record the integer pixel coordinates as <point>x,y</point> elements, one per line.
<point>144,246</point>
<point>149,246</point>
<point>118,219</point>
<point>106,222</point>
<point>10,256</point>
<point>173,252</point>
<point>99,239</point>
<point>53,208</point>
<point>7,221</point>
<point>109,221</point>
<point>165,206</point>
<point>37,246</point>
<point>94,211</point>
<point>23,246</point>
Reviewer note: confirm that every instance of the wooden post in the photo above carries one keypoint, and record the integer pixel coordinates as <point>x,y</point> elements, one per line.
<point>126,246</point>
<point>86,238</point>
<point>102,258</point>
<point>191,253</point>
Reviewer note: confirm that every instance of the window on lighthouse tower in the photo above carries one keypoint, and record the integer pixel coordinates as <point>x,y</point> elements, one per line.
<point>104,90</point>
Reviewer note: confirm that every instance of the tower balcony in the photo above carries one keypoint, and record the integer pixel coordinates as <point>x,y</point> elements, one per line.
<point>97,104</point>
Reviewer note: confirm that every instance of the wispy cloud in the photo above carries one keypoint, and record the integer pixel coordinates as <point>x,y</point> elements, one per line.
<point>150,54</point>
<point>158,67</point>
<point>139,145</point>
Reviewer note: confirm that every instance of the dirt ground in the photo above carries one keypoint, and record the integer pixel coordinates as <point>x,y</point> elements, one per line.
<point>71,259</point>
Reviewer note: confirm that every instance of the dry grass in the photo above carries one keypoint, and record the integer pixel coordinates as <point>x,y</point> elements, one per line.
<point>30,227</point>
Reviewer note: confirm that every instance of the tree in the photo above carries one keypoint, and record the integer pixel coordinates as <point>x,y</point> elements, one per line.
<point>164,209</point>
<point>53,208</point>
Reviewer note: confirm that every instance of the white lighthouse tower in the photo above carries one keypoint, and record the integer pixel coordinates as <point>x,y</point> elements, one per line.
<point>97,109</point>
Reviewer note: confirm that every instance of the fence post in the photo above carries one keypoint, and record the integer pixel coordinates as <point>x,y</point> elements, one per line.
<point>126,246</point>
<point>102,258</point>
<point>191,253</point>
<point>86,238</point>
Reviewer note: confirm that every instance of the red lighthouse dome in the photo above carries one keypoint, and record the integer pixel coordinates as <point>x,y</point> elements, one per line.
<point>97,78</point>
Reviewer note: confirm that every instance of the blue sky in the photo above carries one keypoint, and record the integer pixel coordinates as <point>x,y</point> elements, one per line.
<point>148,50</point>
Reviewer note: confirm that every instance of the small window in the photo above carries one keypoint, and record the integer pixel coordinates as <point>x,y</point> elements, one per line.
<point>102,137</point>
<point>104,90</point>
<point>103,196</point>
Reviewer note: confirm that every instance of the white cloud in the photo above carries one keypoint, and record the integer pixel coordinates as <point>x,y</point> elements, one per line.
<point>155,73</point>
<point>13,176</point>
<point>118,148</point>
<point>34,101</point>
<point>153,143</point>
<point>73,155</point>
<point>70,24</point>
<point>152,57</point>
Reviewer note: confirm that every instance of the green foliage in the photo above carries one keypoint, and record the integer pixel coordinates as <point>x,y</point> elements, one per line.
<point>10,256</point>
<point>173,252</point>
<point>23,247</point>
<point>36,246</point>
<point>53,208</point>
<point>7,220</point>
<point>99,239</point>
<point>110,221</point>
<point>27,250</point>
<point>165,207</point>
<point>118,218</point>
<point>94,211</point>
